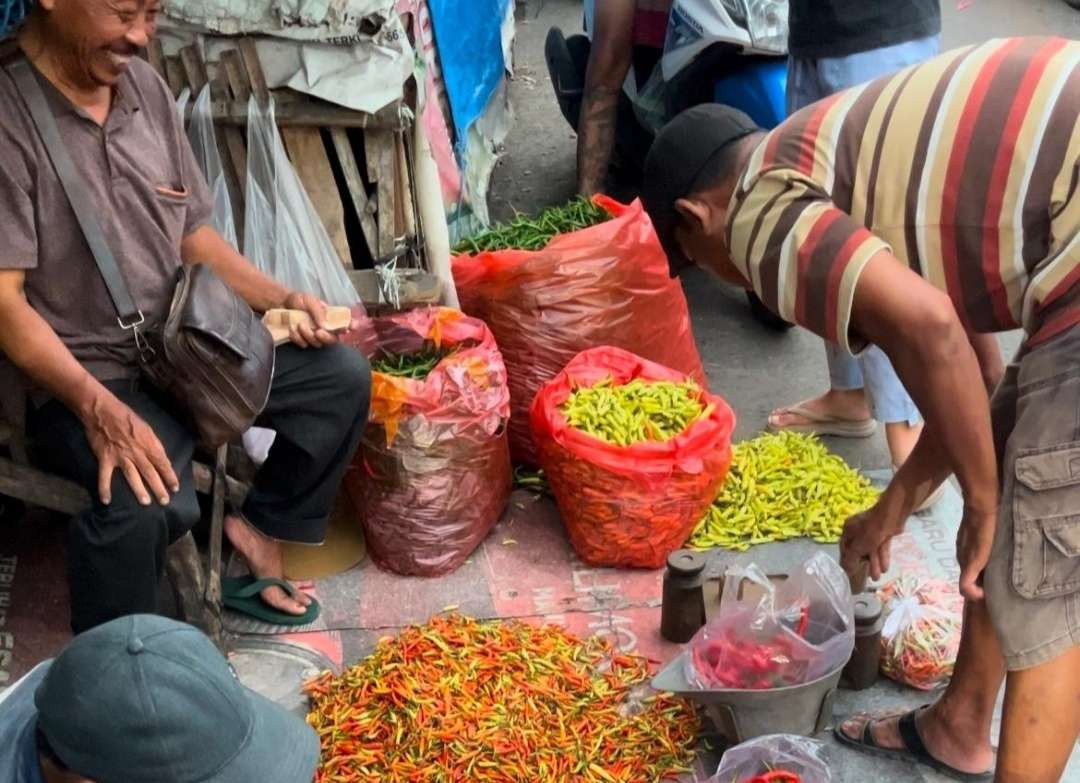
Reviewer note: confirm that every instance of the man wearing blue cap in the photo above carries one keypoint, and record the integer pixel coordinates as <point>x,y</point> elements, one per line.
<point>145,699</point>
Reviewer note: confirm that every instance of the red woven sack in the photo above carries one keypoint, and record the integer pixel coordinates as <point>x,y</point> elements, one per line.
<point>604,285</point>
<point>628,505</point>
<point>432,474</point>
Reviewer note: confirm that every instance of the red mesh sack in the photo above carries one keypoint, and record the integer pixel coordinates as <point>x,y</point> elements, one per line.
<point>628,505</point>
<point>432,474</point>
<point>604,285</point>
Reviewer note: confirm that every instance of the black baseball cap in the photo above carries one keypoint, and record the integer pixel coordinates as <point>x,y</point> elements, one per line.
<point>145,699</point>
<point>680,154</point>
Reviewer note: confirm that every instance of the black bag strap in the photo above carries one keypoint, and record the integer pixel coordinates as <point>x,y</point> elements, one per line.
<point>129,315</point>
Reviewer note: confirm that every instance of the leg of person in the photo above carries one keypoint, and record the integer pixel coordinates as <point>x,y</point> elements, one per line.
<point>956,730</point>
<point>1041,720</point>
<point>318,407</point>
<point>843,410</point>
<point>1033,580</point>
<point>116,553</point>
<point>890,403</point>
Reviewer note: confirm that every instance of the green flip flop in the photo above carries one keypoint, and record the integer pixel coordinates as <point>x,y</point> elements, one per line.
<point>242,594</point>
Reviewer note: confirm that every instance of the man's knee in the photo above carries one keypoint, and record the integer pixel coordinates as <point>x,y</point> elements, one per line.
<point>350,374</point>
<point>126,517</point>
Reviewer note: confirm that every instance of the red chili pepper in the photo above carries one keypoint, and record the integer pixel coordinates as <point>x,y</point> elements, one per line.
<point>775,776</point>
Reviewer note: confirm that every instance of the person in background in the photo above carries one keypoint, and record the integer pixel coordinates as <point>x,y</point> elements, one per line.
<point>833,45</point>
<point>923,213</point>
<point>145,699</point>
<point>625,34</point>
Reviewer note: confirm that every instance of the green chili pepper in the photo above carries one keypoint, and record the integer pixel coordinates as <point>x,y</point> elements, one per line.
<point>525,233</point>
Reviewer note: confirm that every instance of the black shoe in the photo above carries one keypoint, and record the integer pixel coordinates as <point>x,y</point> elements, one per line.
<point>566,61</point>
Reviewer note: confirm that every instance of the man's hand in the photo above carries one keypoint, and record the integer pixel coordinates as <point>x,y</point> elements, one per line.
<point>868,537</point>
<point>974,541</point>
<point>120,439</point>
<point>303,335</point>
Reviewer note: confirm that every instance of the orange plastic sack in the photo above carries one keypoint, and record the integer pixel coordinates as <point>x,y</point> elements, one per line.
<point>603,285</point>
<point>628,505</point>
<point>432,474</point>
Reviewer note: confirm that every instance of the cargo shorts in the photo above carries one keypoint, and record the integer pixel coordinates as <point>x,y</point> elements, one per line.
<point>1033,578</point>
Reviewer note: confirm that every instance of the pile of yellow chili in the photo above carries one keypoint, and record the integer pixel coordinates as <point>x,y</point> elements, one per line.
<point>783,485</point>
<point>466,700</point>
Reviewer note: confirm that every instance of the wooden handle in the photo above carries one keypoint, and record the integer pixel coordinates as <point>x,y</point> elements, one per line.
<point>280,321</point>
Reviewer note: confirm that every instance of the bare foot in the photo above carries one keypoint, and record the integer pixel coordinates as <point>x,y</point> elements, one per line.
<point>264,557</point>
<point>841,404</point>
<point>945,740</point>
<point>901,438</point>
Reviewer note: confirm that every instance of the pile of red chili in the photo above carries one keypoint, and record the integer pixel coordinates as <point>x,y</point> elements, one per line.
<point>464,700</point>
<point>734,659</point>
<point>776,776</point>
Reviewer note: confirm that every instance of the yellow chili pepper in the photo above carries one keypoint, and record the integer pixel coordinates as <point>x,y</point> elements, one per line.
<point>780,486</point>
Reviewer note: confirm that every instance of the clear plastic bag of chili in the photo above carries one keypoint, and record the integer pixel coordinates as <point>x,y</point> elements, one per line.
<point>776,758</point>
<point>921,633</point>
<point>775,631</point>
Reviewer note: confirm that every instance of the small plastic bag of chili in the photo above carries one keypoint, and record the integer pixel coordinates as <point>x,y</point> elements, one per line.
<point>432,474</point>
<point>920,636</point>
<point>629,505</point>
<point>775,758</point>
<point>608,284</point>
<point>775,632</point>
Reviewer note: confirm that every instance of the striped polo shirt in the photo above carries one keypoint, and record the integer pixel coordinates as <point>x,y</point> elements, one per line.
<point>965,167</point>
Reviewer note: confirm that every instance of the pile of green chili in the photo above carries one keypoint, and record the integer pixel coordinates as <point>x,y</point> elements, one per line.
<point>416,365</point>
<point>533,233</point>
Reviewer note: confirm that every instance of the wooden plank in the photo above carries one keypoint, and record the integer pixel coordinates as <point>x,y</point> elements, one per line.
<point>155,55</point>
<point>51,491</point>
<point>236,75</point>
<point>365,207</point>
<point>230,137</point>
<point>250,56</point>
<point>308,156</point>
<point>41,489</point>
<point>380,154</point>
<point>194,69</point>
<point>406,205</point>
<point>174,76</point>
<point>305,112</point>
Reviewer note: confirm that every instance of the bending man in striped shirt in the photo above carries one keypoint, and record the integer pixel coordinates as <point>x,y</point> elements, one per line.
<point>923,212</point>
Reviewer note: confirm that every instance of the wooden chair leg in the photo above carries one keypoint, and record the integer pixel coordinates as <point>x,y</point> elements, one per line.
<point>198,591</point>
<point>185,572</point>
<point>212,596</point>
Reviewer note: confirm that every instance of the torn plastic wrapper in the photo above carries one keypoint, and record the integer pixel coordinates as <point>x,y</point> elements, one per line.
<point>432,475</point>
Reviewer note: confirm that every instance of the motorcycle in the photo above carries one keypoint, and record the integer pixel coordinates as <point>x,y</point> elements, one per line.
<point>716,51</point>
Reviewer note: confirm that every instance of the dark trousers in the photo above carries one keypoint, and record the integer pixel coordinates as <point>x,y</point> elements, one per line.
<point>318,407</point>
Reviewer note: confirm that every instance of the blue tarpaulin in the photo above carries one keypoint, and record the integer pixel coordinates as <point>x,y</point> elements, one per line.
<point>469,40</point>
<point>12,12</point>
